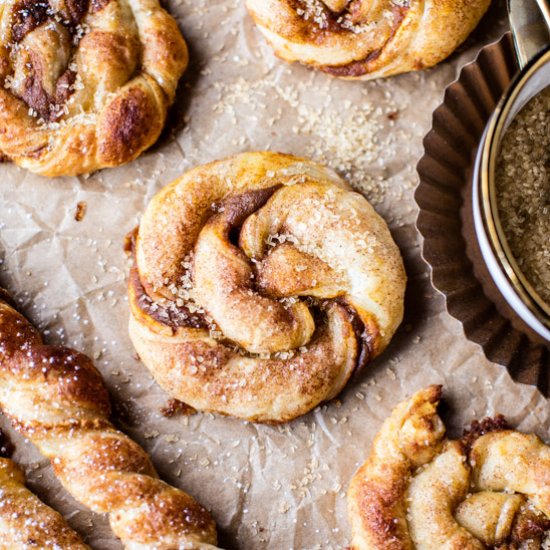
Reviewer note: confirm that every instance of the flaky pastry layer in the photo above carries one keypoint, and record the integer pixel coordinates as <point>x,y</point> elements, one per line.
<point>85,84</point>
<point>366,39</point>
<point>420,491</point>
<point>261,282</point>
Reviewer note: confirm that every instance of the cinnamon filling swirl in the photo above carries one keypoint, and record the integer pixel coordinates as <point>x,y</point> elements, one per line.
<point>44,72</point>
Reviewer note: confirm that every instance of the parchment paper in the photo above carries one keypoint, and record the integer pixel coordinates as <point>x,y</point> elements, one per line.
<point>268,487</point>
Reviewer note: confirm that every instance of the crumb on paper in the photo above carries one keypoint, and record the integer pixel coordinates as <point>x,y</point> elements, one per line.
<point>174,408</point>
<point>81,208</point>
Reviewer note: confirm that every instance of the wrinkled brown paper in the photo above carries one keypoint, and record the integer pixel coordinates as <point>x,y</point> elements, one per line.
<point>268,487</point>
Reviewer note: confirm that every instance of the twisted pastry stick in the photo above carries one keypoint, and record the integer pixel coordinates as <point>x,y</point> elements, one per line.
<point>419,491</point>
<point>261,282</point>
<point>366,38</point>
<point>56,398</point>
<point>25,521</point>
<point>85,84</point>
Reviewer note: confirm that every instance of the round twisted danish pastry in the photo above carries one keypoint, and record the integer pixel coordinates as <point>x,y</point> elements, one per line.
<point>57,399</point>
<point>25,521</point>
<point>85,84</point>
<point>490,489</point>
<point>366,38</point>
<point>260,283</point>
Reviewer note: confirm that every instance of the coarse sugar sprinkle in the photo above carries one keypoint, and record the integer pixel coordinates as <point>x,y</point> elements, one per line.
<point>523,191</point>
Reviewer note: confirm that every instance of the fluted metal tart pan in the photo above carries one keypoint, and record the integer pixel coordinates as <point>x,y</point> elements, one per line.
<point>445,222</point>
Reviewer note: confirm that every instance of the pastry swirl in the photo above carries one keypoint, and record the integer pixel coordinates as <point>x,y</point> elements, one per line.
<point>366,38</point>
<point>420,491</point>
<point>261,282</point>
<point>85,84</point>
<point>57,399</point>
<point>25,521</point>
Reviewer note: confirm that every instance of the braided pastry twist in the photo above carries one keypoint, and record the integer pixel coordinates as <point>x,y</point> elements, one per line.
<point>260,283</point>
<point>25,521</point>
<point>419,491</point>
<point>85,84</point>
<point>366,38</point>
<point>56,398</point>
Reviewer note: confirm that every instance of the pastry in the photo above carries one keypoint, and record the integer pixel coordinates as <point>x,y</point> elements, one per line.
<point>365,38</point>
<point>85,84</point>
<point>56,398</point>
<point>25,521</point>
<point>261,282</point>
<point>418,490</point>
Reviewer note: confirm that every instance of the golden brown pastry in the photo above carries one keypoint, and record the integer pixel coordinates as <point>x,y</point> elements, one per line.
<point>418,490</point>
<point>366,38</point>
<point>260,283</point>
<point>85,84</point>
<point>57,399</point>
<point>25,521</point>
